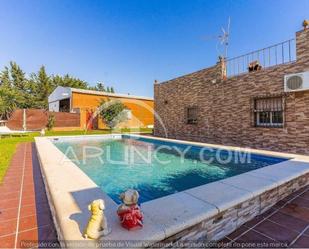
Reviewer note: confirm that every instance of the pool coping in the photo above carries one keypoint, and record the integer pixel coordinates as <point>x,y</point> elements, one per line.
<point>70,190</point>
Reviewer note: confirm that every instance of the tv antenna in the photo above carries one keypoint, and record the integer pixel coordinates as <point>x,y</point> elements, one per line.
<point>223,39</point>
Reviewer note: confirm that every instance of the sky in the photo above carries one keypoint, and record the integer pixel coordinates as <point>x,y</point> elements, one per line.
<point>128,44</point>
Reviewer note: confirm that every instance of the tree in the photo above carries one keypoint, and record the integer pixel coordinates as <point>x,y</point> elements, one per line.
<point>100,87</point>
<point>5,80</point>
<point>112,90</point>
<point>43,87</point>
<point>19,91</point>
<point>113,112</point>
<point>68,81</point>
<point>9,101</point>
<point>18,76</point>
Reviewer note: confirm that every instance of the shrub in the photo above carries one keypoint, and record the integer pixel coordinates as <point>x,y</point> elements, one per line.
<point>113,112</point>
<point>50,122</point>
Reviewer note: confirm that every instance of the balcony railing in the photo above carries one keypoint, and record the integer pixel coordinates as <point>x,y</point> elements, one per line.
<point>281,53</point>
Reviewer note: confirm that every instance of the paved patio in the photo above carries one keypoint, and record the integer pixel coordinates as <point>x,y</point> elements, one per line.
<point>25,214</point>
<point>24,210</point>
<point>286,222</point>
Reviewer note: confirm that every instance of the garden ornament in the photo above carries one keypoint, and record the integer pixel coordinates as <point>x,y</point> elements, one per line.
<point>129,212</point>
<point>97,224</point>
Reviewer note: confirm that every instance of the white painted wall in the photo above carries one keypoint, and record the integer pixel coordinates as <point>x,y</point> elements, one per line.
<point>60,93</point>
<point>53,106</point>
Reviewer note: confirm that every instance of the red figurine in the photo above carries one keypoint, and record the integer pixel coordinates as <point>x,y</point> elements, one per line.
<point>129,212</point>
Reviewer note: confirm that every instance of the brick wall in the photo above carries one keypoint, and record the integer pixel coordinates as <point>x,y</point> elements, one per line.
<point>225,106</point>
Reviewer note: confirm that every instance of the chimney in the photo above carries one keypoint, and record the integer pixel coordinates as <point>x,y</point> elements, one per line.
<point>221,68</point>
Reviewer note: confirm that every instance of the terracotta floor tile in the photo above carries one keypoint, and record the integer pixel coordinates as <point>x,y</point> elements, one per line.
<point>8,227</point>
<point>8,214</point>
<point>279,204</point>
<point>253,237</point>
<point>28,179</point>
<point>275,231</point>
<point>28,185</point>
<point>9,195</point>
<point>31,200</point>
<point>301,242</point>
<point>12,203</point>
<point>305,195</point>
<point>28,193</point>
<point>7,241</point>
<point>301,202</point>
<point>12,181</point>
<point>13,175</point>
<point>260,217</point>
<point>8,189</point>
<point>224,243</point>
<point>28,200</point>
<point>237,233</point>
<point>27,223</point>
<point>296,211</point>
<point>28,211</point>
<point>289,221</point>
<point>27,239</point>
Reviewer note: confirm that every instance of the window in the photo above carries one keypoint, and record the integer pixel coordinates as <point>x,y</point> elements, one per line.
<point>268,112</point>
<point>191,115</point>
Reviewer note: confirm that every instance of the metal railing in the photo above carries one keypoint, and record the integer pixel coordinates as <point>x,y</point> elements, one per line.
<point>281,53</point>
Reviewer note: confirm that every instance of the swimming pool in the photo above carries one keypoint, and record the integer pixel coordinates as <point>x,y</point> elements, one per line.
<point>155,168</point>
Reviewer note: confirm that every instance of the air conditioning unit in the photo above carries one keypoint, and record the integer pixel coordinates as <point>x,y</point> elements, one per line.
<point>296,82</point>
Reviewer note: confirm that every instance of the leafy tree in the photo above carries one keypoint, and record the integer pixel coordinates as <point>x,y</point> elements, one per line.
<point>68,81</point>
<point>18,76</point>
<point>100,87</point>
<point>9,101</point>
<point>113,112</point>
<point>19,91</point>
<point>5,80</point>
<point>43,86</point>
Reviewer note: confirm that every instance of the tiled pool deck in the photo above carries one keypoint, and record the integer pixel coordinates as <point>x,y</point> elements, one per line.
<point>24,209</point>
<point>25,214</point>
<point>286,222</point>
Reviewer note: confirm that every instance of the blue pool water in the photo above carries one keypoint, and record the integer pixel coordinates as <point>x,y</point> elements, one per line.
<point>155,168</point>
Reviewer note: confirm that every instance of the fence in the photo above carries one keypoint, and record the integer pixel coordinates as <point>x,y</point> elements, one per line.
<point>36,119</point>
<point>281,53</point>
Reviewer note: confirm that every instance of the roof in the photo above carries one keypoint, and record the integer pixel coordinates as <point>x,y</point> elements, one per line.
<point>66,92</point>
<point>119,95</point>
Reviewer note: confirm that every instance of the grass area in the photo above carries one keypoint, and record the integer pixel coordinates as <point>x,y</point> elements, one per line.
<point>93,132</point>
<point>7,150</point>
<point>8,144</point>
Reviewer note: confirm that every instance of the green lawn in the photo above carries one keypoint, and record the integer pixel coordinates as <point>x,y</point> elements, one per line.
<point>8,144</point>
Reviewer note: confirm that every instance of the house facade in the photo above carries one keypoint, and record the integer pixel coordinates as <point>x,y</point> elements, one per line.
<point>86,103</point>
<point>243,101</point>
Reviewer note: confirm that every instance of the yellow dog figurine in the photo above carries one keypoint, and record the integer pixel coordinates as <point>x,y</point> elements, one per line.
<point>97,224</point>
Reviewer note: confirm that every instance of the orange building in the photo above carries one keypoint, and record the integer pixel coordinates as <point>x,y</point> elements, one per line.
<point>86,103</point>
